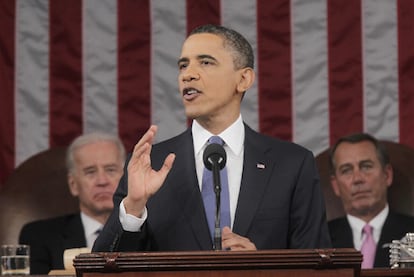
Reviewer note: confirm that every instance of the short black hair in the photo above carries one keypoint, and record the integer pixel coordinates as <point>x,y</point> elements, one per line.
<point>243,52</point>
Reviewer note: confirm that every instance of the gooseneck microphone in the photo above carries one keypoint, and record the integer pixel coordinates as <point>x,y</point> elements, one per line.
<point>215,158</point>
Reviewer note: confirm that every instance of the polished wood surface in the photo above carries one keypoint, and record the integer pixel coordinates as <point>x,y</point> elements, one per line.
<point>382,272</point>
<point>387,272</point>
<point>289,263</point>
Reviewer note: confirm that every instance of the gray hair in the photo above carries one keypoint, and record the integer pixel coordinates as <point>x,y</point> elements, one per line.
<point>88,139</point>
<point>380,148</point>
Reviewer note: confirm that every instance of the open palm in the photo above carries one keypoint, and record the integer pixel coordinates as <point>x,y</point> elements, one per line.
<point>143,180</point>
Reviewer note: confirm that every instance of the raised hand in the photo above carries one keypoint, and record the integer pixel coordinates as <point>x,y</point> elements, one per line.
<point>143,180</point>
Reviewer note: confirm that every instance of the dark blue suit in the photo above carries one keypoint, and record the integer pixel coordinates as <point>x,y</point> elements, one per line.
<point>279,206</point>
<point>395,227</point>
<point>49,238</point>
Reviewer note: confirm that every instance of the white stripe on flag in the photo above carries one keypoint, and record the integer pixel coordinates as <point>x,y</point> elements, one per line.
<point>310,98</point>
<point>310,74</point>
<point>380,68</point>
<point>168,19</point>
<point>242,17</point>
<point>99,44</point>
<point>32,78</point>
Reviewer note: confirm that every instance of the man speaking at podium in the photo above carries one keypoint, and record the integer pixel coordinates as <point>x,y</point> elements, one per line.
<point>273,199</point>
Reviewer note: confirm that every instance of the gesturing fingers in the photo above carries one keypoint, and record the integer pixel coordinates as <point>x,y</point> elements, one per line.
<point>148,137</point>
<point>235,242</point>
<point>142,149</point>
<point>166,167</point>
<point>143,180</point>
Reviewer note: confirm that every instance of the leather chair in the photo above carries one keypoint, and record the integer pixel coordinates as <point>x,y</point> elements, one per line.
<point>400,193</point>
<point>37,189</point>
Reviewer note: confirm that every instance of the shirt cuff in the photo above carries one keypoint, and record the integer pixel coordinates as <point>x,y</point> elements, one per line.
<point>129,222</point>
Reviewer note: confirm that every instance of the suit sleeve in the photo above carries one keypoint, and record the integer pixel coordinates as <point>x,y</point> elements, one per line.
<point>113,237</point>
<point>308,214</point>
<point>40,263</point>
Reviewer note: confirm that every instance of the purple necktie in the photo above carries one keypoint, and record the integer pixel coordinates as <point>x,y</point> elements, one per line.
<point>209,197</point>
<point>368,248</point>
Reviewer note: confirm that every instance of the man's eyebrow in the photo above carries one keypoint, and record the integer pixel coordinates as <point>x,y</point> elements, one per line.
<point>199,57</point>
<point>205,56</point>
<point>344,165</point>
<point>366,161</point>
<point>91,167</point>
<point>110,165</point>
<point>181,60</point>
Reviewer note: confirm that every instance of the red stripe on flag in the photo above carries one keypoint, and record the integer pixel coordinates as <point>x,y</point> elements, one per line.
<point>274,72</point>
<point>202,12</point>
<point>134,87</point>
<point>345,67</point>
<point>406,70</point>
<point>65,71</point>
<point>7,118</point>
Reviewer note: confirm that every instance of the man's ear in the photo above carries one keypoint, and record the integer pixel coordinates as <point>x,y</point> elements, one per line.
<point>246,80</point>
<point>334,185</point>
<point>389,174</point>
<point>72,185</point>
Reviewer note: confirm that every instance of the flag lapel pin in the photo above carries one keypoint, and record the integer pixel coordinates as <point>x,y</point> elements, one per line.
<point>260,166</point>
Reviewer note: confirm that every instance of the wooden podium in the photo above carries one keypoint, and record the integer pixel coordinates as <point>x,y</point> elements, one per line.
<point>284,263</point>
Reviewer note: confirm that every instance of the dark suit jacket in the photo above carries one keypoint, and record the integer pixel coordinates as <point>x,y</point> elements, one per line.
<point>49,238</point>
<point>279,206</point>
<point>395,227</point>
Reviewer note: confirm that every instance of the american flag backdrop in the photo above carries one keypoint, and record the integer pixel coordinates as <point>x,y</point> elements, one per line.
<point>325,68</point>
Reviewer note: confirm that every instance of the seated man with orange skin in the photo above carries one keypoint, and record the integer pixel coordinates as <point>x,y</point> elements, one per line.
<point>360,175</point>
<point>94,163</point>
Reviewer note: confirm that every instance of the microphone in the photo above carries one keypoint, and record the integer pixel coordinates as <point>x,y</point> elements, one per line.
<point>214,154</point>
<point>215,158</point>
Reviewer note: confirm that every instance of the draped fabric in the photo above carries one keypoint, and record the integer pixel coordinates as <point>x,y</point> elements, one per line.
<point>325,68</point>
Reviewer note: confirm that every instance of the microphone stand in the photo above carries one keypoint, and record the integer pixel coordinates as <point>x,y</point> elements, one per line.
<point>217,191</point>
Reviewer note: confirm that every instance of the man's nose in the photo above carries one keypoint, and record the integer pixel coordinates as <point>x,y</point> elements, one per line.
<point>190,74</point>
<point>358,177</point>
<point>102,178</point>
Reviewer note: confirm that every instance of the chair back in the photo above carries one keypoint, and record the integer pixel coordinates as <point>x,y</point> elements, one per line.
<point>400,193</point>
<point>37,189</point>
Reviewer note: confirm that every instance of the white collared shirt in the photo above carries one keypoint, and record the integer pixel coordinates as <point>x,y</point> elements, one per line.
<point>90,226</point>
<point>357,225</point>
<point>233,137</point>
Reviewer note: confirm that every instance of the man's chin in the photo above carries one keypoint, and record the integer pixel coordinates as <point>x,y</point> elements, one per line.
<point>362,209</point>
<point>106,204</point>
<point>191,114</point>
<point>103,197</point>
<point>104,209</point>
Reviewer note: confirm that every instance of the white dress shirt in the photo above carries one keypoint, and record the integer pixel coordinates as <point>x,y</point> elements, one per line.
<point>233,138</point>
<point>90,227</point>
<point>357,225</point>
